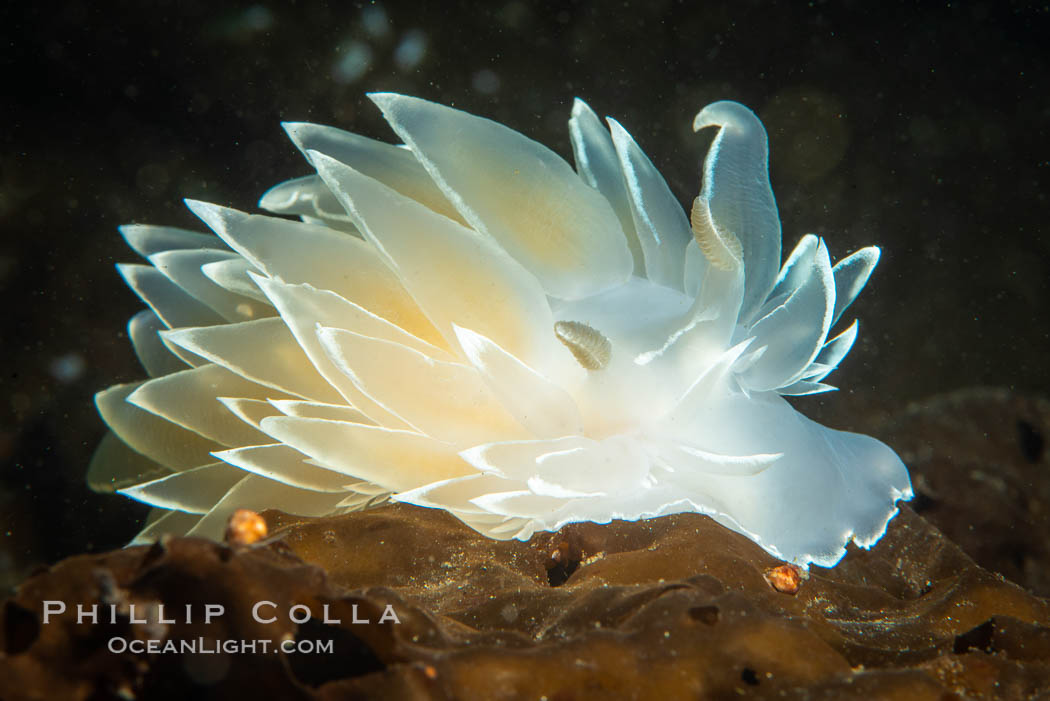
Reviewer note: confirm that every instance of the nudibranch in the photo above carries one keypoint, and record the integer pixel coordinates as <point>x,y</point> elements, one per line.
<point>464,322</point>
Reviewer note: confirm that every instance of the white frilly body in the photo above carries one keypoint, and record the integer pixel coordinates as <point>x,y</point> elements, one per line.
<point>465,322</point>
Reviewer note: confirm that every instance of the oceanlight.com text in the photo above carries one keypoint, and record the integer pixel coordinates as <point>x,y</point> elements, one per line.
<point>208,646</point>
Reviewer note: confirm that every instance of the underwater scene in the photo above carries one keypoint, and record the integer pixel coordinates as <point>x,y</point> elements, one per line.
<point>525,350</point>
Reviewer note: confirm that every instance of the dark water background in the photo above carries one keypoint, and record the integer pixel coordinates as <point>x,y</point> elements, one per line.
<point>920,127</point>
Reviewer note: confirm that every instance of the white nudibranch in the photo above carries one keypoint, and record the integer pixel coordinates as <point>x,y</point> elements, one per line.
<point>464,322</point>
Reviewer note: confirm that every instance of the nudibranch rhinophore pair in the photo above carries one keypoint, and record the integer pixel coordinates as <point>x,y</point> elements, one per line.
<point>465,322</point>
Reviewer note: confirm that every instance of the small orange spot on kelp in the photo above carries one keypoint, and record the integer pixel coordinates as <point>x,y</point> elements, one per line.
<point>564,560</point>
<point>560,553</point>
<point>786,579</point>
<point>245,527</point>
